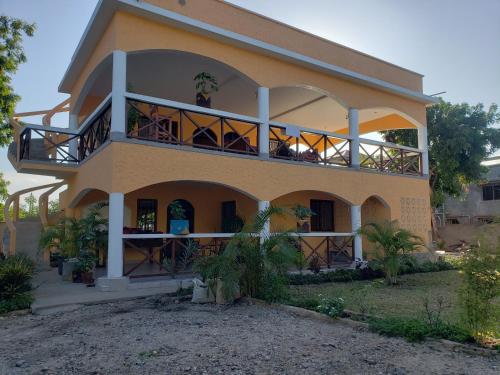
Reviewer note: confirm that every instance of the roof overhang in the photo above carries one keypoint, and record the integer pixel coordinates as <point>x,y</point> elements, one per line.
<point>106,8</point>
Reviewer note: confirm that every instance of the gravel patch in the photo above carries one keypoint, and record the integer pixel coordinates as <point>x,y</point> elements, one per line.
<point>152,336</point>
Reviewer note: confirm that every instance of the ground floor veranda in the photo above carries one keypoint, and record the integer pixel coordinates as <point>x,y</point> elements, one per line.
<point>140,238</point>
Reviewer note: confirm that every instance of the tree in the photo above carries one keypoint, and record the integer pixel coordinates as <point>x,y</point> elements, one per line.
<point>4,194</point>
<point>392,243</point>
<point>31,208</point>
<point>461,136</point>
<point>11,56</point>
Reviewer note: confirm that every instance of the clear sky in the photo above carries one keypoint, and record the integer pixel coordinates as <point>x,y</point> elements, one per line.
<point>454,43</point>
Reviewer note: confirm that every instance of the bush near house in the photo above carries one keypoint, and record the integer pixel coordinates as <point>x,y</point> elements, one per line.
<point>16,273</point>
<point>408,266</point>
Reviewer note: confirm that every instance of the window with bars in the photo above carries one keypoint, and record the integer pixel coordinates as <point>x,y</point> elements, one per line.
<point>322,220</point>
<point>491,192</point>
<point>146,214</point>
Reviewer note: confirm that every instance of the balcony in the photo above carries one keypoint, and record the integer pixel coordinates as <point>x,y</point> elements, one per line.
<point>153,121</point>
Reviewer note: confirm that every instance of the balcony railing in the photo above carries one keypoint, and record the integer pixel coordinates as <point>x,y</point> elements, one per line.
<point>179,124</point>
<point>167,122</point>
<point>308,146</point>
<point>390,158</point>
<point>41,143</point>
<point>63,146</point>
<point>149,251</point>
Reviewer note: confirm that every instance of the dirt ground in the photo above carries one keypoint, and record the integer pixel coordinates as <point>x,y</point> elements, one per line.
<point>152,336</point>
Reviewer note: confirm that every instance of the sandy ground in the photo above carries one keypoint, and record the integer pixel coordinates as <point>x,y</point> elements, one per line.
<point>152,336</point>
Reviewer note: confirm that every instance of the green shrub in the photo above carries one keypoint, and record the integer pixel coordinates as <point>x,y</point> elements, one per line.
<point>15,276</point>
<point>309,303</point>
<point>415,330</point>
<point>19,302</point>
<point>331,306</point>
<point>481,286</point>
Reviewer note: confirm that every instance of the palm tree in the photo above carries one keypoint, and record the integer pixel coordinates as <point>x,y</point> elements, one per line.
<point>258,266</point>
<point>391,242</point>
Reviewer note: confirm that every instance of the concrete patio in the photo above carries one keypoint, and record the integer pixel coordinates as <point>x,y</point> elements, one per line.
<point>52,293</point>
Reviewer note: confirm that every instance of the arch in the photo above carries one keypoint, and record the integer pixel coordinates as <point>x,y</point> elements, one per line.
<point>319,90</point>
<point>384,112</point>
<point>102,73</point>
<point>87,194</point>
<point>188,210</point>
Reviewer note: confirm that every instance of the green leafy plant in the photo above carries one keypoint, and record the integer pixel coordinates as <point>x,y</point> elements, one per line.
<point>86,262</point>
<point>302,212</point>
<point>258,267</point>
<point>391,244</point>
<point>186,258</point>
<point>16,273</point>
<point>301,261</point>
<point>177,211</point>
<point>480,267</point>
<point>331,306</point>
<point>206,83</point>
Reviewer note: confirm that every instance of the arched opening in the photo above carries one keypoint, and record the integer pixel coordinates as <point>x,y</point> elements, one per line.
<point>373,210</point>
<point>209,209</point>
<point>329,242</point>
<point>188,211</point>
<point>169,74</point>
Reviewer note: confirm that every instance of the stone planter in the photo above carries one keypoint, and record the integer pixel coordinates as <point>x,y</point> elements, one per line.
<point>303,226</point>
<point>68,267</point>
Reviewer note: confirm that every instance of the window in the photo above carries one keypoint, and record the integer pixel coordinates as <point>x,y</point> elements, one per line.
<point>491,192</point>
<point>146,214</point>
<point>322,221</point>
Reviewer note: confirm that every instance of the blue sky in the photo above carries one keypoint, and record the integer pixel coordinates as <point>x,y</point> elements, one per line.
<point>454,43</point>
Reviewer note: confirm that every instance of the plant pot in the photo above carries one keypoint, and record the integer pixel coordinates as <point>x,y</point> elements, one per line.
<point>60,262</point>
<point>179,227</point>
<point>54,259</point>
<point>87,278</point>
<point>76,276</point>
<point>67,269</point>
<point>203,101</point>
<point>303,226</point>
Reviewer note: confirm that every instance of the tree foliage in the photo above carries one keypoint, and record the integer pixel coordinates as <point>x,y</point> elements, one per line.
<point>461,136</point>
<point>11,56</point>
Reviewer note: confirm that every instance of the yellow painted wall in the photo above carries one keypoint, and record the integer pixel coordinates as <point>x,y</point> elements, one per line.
<point>125,167</point>
<point>267,71</point>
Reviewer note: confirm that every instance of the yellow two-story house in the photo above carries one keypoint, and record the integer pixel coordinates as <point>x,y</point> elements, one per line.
<point>285,126</point>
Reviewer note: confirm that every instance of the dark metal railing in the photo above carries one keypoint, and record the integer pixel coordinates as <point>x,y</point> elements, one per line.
<point>389,158</point>
<point>40,144</point>
<point>177,126</point>
<point>62,146</point>
<point>310,147</point>
<point>329,250</point>
<point>95,134</point>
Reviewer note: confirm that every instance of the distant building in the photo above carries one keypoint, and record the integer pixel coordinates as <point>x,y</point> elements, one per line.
<point>482,202</point>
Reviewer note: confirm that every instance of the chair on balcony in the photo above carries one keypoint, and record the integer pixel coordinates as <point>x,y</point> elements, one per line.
<point>280,149</point>
<point>205,138</point>
<point>311,156</point>
<point>233,141</point>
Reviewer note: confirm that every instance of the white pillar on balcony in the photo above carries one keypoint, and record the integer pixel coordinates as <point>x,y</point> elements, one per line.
<point>119,86</point>
<point>354,133</point>
<point>73,125</point>
<point>356,225</point>
<point>263,102</point>
<point>423,146</point>
<point>264,205</point>
<point>114,280</point>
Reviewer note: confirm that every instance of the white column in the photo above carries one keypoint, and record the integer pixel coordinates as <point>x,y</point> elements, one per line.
<point>115,242</point>
<point>119,85</point>
<point>423,146</point>
<point>263,101</point>
<point>73,144</point>
<point>264,205</point>
<point>354,133</point>
<point>356,225</point>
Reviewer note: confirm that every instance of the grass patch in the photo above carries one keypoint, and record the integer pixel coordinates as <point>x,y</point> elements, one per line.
<point>375,298</point>
<point>19,302</point>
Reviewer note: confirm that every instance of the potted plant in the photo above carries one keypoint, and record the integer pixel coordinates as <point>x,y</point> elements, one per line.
<point>303,214</point>
<point>206,84</point>
<point>178,225</point>
<point>84,268</point>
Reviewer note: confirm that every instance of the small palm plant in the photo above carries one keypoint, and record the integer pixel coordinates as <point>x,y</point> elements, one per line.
<point>392,243</point>
<point>256,266</point>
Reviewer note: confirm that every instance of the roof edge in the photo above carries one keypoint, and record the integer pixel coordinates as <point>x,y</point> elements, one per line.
<point>106,8</point>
